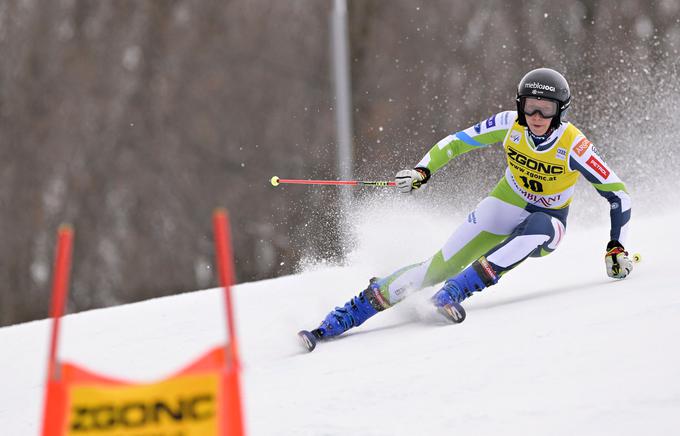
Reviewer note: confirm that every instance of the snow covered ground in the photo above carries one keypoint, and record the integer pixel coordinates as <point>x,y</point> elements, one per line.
<point>556,348</point>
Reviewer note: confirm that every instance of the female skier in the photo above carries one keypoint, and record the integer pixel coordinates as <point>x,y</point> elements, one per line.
<point>524,215</point>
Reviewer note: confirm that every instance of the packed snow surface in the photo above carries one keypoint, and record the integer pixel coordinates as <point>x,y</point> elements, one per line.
<point>556,348</point>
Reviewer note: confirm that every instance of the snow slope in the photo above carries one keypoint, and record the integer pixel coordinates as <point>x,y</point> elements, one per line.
<point>555,348</point>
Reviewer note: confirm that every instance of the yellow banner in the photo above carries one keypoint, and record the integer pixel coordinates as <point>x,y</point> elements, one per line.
<point>183,406</point>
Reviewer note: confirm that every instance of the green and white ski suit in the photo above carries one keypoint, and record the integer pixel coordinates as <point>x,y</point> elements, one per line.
<point>526,213</point>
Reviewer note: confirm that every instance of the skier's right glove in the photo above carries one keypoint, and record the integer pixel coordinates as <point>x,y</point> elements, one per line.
<point>617,261</point>
<point>408,180</point>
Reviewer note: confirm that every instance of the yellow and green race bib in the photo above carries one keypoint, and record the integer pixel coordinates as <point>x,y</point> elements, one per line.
<point>543,173</point>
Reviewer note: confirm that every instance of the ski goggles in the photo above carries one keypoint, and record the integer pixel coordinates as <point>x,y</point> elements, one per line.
<point>545,107</point>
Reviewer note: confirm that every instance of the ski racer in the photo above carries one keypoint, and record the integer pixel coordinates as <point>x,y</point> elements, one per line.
<point>525,215</point>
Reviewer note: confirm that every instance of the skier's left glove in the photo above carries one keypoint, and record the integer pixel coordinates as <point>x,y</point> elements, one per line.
<point>408,180</point>
<point>617,261</point>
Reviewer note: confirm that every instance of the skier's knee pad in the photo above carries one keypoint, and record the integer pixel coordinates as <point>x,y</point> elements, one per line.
<point>540,223</point>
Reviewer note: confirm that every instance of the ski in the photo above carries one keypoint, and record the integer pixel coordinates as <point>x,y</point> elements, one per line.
<point>454,312</point>
<point>309,339</point>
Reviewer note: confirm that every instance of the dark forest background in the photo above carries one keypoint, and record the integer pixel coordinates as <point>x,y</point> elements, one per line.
<point>133,119</point>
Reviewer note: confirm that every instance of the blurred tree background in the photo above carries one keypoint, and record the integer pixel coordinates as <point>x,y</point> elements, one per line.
<point>133,119</point>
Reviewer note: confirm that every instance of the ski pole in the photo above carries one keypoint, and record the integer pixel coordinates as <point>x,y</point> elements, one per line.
<point>276,182</point>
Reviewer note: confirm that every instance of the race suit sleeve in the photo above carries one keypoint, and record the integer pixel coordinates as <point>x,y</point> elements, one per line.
<point>585,159</point>
<point>484,133</point>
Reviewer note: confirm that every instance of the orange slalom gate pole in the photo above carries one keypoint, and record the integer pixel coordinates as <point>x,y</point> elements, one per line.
<point>232,390</point>
<point>60,281</point>
<point>225,268</point>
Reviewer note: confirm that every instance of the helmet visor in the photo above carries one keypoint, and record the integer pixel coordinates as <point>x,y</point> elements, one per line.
<point>545,107</point>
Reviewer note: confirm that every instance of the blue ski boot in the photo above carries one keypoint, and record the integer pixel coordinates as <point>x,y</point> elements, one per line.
<point>354,312</point>
<point>474,278</point>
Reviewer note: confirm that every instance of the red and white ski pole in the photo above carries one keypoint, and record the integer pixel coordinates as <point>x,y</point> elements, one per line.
<point>276,182</point>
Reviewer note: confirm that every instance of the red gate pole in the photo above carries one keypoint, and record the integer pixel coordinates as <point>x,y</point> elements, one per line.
<point>60,281</point>
<point>232,389</point>
<point>226,272</point>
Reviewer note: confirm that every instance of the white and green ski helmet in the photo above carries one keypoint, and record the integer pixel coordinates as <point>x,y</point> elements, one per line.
<point>544,83</point>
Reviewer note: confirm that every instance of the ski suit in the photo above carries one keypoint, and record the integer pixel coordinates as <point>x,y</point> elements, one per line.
<point>525,214</point>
